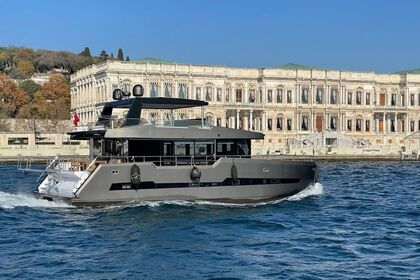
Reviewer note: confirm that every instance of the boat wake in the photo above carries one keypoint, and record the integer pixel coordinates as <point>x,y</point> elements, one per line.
<point>11,201</point>
<point>312,190</point>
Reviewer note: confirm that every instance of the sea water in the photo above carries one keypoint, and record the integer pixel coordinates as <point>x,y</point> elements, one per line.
<point>361,221</point>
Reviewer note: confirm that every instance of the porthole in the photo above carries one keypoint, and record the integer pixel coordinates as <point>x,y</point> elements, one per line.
<point>114,172</point>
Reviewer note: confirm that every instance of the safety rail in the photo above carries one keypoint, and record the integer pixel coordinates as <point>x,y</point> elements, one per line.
<point>110,122</point>
<point>170,160</point>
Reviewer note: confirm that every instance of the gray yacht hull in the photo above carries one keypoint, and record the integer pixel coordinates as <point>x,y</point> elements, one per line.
<point>256,180</point>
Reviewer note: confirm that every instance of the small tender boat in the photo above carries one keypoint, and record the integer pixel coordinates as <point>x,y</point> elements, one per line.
<point>137,160</point>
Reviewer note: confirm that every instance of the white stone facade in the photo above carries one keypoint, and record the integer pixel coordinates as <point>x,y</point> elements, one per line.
<point>380,109</point>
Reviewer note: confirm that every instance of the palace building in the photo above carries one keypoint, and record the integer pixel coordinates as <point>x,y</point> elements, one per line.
<point>288,105</point>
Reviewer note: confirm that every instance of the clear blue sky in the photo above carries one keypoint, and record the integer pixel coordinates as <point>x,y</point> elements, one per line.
<point>382,36</point>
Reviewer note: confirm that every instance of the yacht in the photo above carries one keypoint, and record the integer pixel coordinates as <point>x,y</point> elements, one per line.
<point>133,159</point>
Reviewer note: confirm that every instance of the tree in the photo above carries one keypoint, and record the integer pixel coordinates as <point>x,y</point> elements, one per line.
<point>127,58</point>
<point>86,52</point>
<point>30,87</point>
<point>120,55</point>
<point>53,102</point>
<point>103,56</point>
<point>23,70</point>
<point>112,56</point>
<point>13,98</point>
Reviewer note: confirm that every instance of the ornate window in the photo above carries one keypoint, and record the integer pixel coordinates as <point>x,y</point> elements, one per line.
<point>333,123</point>
<point>304,95</point>
<point>358,98</point>
<point>219,95</point>
<point>168,89</point>
<point>209,93</point>
<point>289,124</point>
<point>269,95</point>
<point>368,98</point>
<point>304,125</point>
<point>279,123</point>
<point>252,96</point>
<point>239,95</point>
<point>333,96</point>
<point>270,124</point>
<point>227,96</point>
<point>279,95</point>
<point>153,89</point>
<point>182,90</point>
<point>318,98</point>
<point>367,125</point>
<point>393,99</point>
<point>349,125</point>
<point>349,98</point>
<point>412,100</point>
<point>358,124</point>
<point>198,93</point>
<point>289,96</point>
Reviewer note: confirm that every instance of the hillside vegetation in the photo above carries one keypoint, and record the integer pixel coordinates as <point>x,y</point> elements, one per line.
<point>21,97</point>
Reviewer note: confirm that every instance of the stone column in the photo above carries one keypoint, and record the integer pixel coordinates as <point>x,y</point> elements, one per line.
<point>237,119</point>
<point>396,122</point>
<point>251,121</point>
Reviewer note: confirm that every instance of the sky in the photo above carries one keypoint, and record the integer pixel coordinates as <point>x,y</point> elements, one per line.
<point>358,35</point>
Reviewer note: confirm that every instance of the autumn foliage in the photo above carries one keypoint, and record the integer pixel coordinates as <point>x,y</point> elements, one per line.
<point>12,98</point>
<point>51,102</point>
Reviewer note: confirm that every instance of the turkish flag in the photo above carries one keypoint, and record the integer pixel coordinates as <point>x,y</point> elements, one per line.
<point>75,119</point>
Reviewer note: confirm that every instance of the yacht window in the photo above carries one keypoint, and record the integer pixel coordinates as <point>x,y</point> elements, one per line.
<point>182,148</point>
<point>97,147</point>
<point>168,148</point>
<point>225,147</point>
<point>203,148</point>
<point>243,147</point>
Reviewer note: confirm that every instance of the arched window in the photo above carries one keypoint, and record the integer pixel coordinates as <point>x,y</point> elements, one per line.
<point>182,90</point>
<point>333,95</point>
<point>209,93</point>
<point>198,93</point>
<point>304,125</point>
<point>252,95</point>
<point>168,90</point>
<point>279,94</point>
<point>239,94</point>
<point>209,119</point>
<point>304,97</point>
<point>153,89</point>
<point>279,122</point>
<point>318,97</point>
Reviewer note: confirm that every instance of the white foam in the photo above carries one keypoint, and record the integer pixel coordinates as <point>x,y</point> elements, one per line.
<point>11,201</point>
<point>311,190</point>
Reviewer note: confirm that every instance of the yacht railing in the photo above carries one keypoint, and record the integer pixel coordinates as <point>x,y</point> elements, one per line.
<point>170,160</point>
<point>109,122</point>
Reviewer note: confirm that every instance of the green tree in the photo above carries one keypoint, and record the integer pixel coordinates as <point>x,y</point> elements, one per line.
<point>112,56</point>
<point>127,58</point>
<point>86,52</point>
<point>30,87</point>
<point>120,55</point>
<point>103,56</point>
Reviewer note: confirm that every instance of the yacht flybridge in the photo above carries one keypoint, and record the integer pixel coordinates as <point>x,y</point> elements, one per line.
<point>132,159</point>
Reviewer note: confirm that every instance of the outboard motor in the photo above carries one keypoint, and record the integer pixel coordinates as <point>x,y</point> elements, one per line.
<point>195,175</point>
<point>117,94</point>
<point>135,176</point>
<point>138,90</point>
